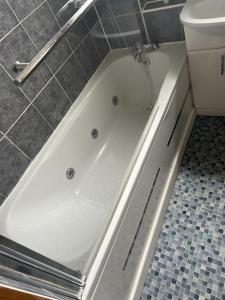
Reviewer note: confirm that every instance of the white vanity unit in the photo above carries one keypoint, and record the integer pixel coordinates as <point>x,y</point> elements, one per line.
<point>204,26</point>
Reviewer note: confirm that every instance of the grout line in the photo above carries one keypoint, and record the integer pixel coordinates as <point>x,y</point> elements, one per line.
<point>89,31</point>
<point>36,108</point>
<point>18,148</point>
<point>113,23</point>
<point>144,23</point>
<point>32,101</point>
<point>41,90</point>
<point>103,29</point>
<point>53,73</point>
<point>118,27</point>
<point>67,96</point>
<point>33,11</point>
<point>22,89</point>
<point>28,106</point>
<point>123,15</point>
<point>162,8</point>
<point>19,21</point>
<point>73,51</point>
<point>8,33</point>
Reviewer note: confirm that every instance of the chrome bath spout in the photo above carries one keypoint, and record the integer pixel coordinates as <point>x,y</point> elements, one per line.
<point>139,52</point>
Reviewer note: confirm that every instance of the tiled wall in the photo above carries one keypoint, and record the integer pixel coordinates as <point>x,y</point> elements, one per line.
<point>123,20</point>
<point>157,21</point>
<point>29,115</point>
<point>163,21</point>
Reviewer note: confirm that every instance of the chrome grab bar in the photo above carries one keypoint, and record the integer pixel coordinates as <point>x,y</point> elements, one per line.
<point>75,3</point>
<point>30,67</point>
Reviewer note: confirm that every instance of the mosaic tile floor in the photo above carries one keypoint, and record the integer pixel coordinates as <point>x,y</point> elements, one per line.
<point>189,261</point>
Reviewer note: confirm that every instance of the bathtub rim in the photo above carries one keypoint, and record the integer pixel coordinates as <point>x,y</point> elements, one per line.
<point>66,124</point>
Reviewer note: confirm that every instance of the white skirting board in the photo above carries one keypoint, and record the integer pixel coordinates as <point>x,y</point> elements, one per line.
<point>149,248</point>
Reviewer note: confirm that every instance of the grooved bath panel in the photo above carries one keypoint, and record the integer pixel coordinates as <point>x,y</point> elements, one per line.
<point>29,114</point>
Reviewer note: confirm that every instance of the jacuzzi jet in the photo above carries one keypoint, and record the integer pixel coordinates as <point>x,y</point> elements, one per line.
<point>94,133</point>
<point>115,100</point>
<point>147,108</point>
<point>70,173</point>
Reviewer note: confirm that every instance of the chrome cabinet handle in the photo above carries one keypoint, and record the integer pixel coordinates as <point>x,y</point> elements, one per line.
<point>222,64</point>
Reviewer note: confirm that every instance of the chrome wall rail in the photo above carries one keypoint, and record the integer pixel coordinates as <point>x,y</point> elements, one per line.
<point>74,3</point>
<point>28,70</point>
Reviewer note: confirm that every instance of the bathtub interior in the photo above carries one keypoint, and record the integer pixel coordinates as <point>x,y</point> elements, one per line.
<point>63,219</point>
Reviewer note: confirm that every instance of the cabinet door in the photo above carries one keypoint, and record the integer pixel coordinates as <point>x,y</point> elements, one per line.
<point>207,70</point>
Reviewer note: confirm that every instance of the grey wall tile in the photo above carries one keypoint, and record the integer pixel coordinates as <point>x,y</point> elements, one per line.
<point>56,5</point>
<point>71,78</point>
<point>103,9</point>
<point>109,24</point>
<point>58,55</point>
<point>124,17</point>
<point>13,163</point>
<point>7,19</point>
<point>100,40</point>
<point>164,25</point>
<point>64,16</point>
<point>123,7</point>
<point>96,32</point>
<point>23,7</point>
<point>12,101</point>
<point>30,132</point>
<point>91,18</point>
<point>16,46</point>
<point>41,26</point>
<point>88,56</point>
<point>36,81</point>
<point>128,24</point>
<point>53,103</point>
<point>76,34</point>
<point>2,198</point>
<point>157,4</point>
<point>110,28</point>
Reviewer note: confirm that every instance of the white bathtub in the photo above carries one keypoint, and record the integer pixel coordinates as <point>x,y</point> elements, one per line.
<point>66,220</point>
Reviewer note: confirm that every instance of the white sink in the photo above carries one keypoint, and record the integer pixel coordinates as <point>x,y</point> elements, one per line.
<point>204,24</point>
<point>203,13</point>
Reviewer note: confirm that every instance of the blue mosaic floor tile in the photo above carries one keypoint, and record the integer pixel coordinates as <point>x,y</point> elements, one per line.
<point>189,259</point>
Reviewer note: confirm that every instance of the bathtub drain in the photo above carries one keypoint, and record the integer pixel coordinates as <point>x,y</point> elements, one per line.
<point>115,100</point>
<point>94,133</point>
<point>70,173</point>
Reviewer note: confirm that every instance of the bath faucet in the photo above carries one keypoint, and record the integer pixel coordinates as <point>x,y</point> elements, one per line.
<point>139,52</point>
